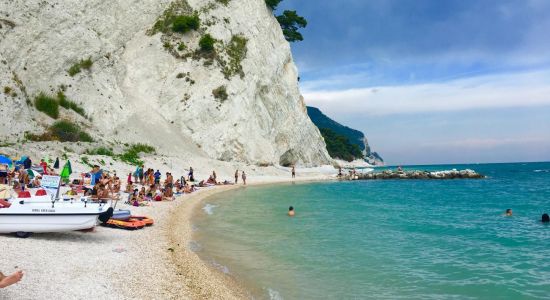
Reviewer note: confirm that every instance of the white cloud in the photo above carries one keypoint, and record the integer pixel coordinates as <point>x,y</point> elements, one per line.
<point>487,143</point>
<point>524,89</point>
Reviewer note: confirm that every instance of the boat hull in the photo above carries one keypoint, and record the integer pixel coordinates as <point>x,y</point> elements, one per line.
<point>43,217</point>
<point>46,223</point>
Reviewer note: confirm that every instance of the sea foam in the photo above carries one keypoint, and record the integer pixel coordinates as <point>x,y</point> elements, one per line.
<point>274,295</point>
<point>209,209</point>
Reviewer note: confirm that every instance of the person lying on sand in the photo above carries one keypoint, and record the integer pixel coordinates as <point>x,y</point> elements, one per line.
<point>211,180</point>
<point>14,278</point>
<point>187,189</point>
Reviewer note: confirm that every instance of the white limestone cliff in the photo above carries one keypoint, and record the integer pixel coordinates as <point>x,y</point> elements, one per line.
<point>139,91</point>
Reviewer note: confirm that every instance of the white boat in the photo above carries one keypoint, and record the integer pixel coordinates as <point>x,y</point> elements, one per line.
<point>25,216</point>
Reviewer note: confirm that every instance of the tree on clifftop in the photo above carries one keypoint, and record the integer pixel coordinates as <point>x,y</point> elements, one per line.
<point>272,3</point>
<point>291,22</point>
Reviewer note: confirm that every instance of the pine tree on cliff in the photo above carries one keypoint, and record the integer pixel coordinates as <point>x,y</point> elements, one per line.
<point>290,22</point>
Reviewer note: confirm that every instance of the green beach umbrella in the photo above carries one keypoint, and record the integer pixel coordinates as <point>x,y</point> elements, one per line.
<point>32,173</point>
<point>67,171</point>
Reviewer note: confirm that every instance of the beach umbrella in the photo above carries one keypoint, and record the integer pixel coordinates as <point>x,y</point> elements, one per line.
<point>32,173</point>
<point>56,164</point>
<point>67,171</point>
<point>5,160</point>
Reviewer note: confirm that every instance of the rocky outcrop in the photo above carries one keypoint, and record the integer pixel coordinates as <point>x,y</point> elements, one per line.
<point>354,136</point>
<point>371,157</point>
<point>387,174</point>
<point>157,88</point>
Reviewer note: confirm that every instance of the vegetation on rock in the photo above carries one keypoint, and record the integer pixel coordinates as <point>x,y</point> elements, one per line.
<point>100,151</point>
<point>291,22</point>
<point>183,24</point>
<point>176,10</point>
<point>272,3</point>
<point>323,121</point>
<point>47,105</point>
<point>68,104</point>
<point>63,131</point>
<point>50,105</point>
<point>82,64</point>
<point>224,2</point>
<point>339,146</point>
<point>236,51</point>
<point>220,93</point>
<point>206,43</point>
<point>131,155</point>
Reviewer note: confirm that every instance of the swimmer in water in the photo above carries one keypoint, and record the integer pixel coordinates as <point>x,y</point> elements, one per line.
<point>508,212</point>
<point>545,218</point>
<point>291,211</point>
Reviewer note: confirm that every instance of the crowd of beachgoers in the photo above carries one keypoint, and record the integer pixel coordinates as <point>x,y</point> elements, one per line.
<point>140,186</point>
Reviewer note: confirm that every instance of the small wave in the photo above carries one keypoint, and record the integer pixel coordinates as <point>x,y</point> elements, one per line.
<point>274,295</point>
<point>539,171</point>
<point>209,209</point>
<point>220,267</point>
<point>194,246</point>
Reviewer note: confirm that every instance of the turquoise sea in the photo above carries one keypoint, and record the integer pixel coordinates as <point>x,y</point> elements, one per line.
<point>417,239</point>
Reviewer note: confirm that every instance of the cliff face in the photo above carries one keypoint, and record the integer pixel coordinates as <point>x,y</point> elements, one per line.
<point>354,136</point>
<point>238,103</point>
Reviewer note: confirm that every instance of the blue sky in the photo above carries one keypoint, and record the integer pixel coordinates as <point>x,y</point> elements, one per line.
<point>432,81</point>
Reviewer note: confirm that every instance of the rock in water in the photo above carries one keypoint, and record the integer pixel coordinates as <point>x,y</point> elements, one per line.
<point>240,102</point>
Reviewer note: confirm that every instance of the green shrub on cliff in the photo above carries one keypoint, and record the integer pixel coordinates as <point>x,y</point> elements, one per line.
<point>206,43</point>
<point>183,24</point>
<point>63,131</point>
<point>82,64</point>
<point>47,105</point>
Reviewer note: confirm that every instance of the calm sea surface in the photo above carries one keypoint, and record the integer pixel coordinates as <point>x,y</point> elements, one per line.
<point>417,239</point>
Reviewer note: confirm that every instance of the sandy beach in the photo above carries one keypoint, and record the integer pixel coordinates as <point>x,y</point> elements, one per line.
<point>153,263</point>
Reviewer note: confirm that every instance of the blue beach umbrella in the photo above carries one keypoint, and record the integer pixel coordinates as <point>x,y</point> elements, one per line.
<point>5,160</point>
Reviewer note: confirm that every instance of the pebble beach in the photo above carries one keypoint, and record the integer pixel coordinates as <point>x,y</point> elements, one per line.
<point>156,262</point>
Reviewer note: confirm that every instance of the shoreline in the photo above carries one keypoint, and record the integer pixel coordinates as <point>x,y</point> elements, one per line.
<point>202,280</point>
<point>152,263</point>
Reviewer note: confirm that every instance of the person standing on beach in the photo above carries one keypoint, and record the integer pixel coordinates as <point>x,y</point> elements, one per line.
<point>191,178</point>
<point>157,177</point>
<point>214,176</point>
<point>293,172</point>
<point>14,278</point>
<point>236,176</point>
<point>140,174</point>
<point>244,178</point>
<point>44,166</point>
